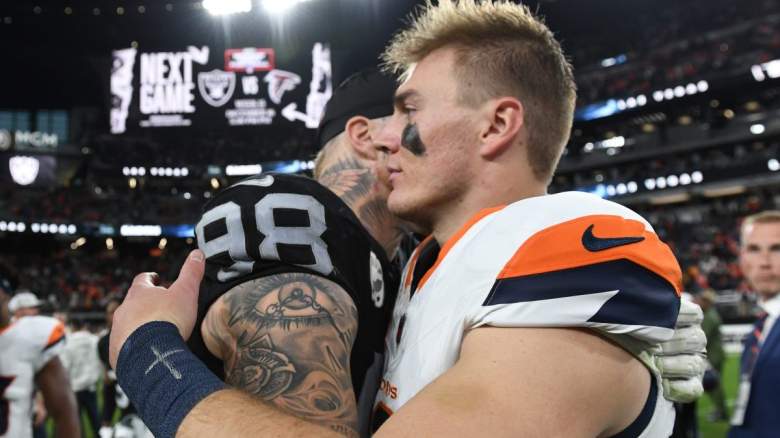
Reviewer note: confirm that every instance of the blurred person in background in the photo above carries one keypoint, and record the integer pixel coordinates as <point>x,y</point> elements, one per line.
<point>80,358</point>
<point>113,396</point>
<point>757,408</point>
<point>109,377</point>
<point>30,346</point>
<point>715,355</point>
<point>24,303</point>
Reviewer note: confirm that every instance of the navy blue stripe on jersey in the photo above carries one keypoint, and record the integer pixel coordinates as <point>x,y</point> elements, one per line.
<point>638,426</point>
<point>643,298</point>
<point>61,339</point>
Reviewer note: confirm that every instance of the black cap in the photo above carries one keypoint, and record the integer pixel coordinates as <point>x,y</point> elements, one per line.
<point>368,93</point>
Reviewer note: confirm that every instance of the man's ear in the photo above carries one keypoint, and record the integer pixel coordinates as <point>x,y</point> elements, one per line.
<point>504,124</point>
<point>358,131</point>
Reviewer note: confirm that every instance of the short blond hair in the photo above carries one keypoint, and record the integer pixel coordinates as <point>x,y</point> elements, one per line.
<point>764,217</point>
<point>504,50</point>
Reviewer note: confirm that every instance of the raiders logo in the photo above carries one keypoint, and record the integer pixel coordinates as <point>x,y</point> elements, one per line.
<point>24,170</point>
<point>216,86</point>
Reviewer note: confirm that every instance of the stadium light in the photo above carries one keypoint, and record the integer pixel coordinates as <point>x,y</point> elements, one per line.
<point>227,7</point>
<point>243,169</point>
<point>757,129</point>
<point>770,69</point>
<point>277,7</point>
<point>697,177</point>
<point>614,142</point>
<point>128,230</point>
<point>773,165</point>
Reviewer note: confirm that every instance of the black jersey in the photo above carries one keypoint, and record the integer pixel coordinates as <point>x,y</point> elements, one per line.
<point>278,223</point>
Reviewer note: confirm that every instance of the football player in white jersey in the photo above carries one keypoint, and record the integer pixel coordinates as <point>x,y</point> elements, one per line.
<point>548,366</point>
<point>29,347</point>
<point>524,314</point>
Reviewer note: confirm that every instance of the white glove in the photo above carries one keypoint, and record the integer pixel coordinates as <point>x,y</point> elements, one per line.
<point>681,359</point>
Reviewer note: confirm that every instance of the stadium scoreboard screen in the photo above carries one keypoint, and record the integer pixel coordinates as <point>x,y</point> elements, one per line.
<point>198,87</point>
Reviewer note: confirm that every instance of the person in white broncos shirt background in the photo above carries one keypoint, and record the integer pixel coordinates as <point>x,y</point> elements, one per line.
<point>30,346</point>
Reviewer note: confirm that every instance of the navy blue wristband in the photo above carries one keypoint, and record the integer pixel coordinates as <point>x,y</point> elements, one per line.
<point>162,378</point>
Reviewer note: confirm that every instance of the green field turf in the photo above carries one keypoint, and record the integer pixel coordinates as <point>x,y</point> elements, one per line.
<point>730,380</point>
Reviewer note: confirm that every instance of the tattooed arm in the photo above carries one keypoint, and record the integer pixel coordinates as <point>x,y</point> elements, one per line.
<point>286,339</point>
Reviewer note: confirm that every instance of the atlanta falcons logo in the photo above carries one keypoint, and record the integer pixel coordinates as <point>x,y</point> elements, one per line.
<point>279,82</point>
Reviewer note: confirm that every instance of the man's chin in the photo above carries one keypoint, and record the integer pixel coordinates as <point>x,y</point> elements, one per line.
<point>768,291</point>
<point>401,209</point>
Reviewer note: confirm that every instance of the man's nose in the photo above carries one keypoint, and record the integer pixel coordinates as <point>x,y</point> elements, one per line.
<point>389,137</point>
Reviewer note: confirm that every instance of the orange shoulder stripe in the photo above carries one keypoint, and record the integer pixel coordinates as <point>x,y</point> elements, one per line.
<point>56,334</point>
<point>560,247</point>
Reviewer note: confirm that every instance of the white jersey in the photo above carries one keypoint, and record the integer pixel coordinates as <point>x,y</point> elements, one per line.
<point>565,260</point>
<point>27,345</point>
<point>80,358</point>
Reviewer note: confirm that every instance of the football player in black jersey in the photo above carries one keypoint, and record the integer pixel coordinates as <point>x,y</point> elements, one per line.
<point>298,288</point>
<point>286,311</point>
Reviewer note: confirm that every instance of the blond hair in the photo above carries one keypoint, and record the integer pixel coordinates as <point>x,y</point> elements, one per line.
<point>764,217</point>
<point>504,50</point>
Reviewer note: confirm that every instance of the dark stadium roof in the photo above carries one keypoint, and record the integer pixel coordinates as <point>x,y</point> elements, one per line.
<point>54,59</point>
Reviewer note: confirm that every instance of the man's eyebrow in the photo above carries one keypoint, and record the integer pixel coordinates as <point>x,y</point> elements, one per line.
<point>400,98</point>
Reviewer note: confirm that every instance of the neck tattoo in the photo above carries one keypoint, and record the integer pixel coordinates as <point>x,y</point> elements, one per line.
<point>410,139</point>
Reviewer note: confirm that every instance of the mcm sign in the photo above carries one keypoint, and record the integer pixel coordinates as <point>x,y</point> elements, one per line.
<point>24,170</point>
<point>216,86</point>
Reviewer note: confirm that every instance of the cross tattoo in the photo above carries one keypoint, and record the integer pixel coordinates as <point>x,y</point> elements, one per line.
<point>161,359</point>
